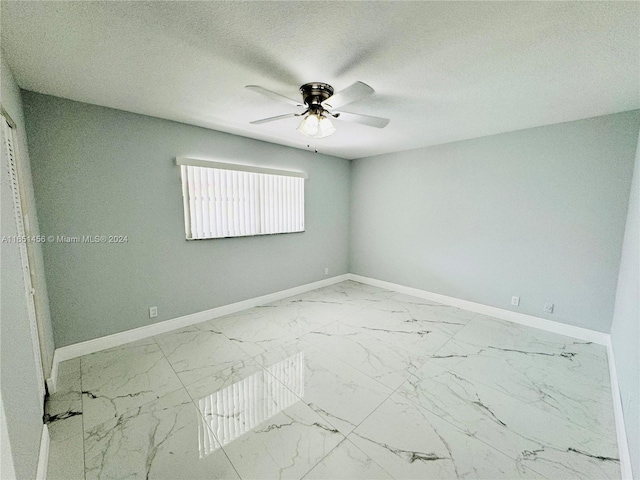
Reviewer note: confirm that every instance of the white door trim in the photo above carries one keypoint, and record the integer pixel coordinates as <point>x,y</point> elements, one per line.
<point>7,467</point>
<point>43,457</point>
<point>9,145</point>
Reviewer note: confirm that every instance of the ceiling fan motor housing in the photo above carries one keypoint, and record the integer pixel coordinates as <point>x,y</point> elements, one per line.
<point>321,100</point>
<point>313,94</point>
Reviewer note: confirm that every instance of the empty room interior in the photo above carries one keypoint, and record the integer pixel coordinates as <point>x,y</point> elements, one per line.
<point>320,240</point>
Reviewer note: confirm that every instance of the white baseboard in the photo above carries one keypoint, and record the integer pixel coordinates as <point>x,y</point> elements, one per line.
<point>621,431</point>
<point>98,344</point>
<point>117,339</point>
<point>515,317</point>
<point>535,322</point>
<point>53,379</point>
<point>43,456</point>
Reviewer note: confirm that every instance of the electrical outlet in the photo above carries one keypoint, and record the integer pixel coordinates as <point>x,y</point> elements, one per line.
<point>153,312</point>
<point>515,301</point>
<point>548,308</point>
<point>326,270</point>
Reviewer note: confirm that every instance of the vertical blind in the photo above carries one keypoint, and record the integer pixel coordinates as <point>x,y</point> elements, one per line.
<point>233,201</point>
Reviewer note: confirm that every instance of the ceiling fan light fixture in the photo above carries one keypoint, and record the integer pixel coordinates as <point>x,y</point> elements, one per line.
<point>325,128</point>
<point>320,101</point>
<point>316,126</point>
<point>309,125</point>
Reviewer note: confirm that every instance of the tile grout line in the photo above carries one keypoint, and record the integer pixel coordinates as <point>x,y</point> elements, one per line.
<point>448,422</point>
<point>490,387</point>
<point>365,419</point>
<point>393,393</point>
<point>461,373</point>
<point>364,373</point>
<point>455,427</point>
<point>345,437</point>
<point>377,407</point>
<point>193,403</point>
<point>265,371</point>
<point>303,337</point>
<point>183,386</point>
<point>421,407</point>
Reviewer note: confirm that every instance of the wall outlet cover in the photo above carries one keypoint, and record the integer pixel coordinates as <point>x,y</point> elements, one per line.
<point>548,308</point>
<point>153,312</point>
<point>515,301</point>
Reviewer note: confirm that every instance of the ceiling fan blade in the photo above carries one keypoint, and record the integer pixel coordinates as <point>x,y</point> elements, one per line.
<point>377,122</point>
<point>274,95</point>
<point>350,94</point>
<point>271,119</point>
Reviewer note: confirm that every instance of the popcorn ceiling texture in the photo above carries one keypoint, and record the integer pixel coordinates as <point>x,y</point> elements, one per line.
<point>442,71</point>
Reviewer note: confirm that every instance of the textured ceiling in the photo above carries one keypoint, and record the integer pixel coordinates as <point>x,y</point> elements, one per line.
<point>442,71</point>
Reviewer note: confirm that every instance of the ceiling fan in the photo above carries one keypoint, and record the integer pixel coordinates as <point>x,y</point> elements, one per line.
<point>320,103</point>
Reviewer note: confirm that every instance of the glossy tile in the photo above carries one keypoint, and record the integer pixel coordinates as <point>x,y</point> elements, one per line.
<point>66,455</point>
<point>223,378</point>
<point>426,314</point>
<point>199,351</point>
<point>67,401</point>
<point>123,378</point>
<point>240,407</point>
<point>387,367</point>
<point>251,331</point>
<point>287,445</point>
<point>587,359</point>
<point>347,462</point>
<point>553,447</point>
<point>560,375</point>
<point>66,369</point>
<point>407,441</point>
<point>66,428</point>
<point>301,315</point>
<point>166,438</point>
<point>353,293</point>
<point>391,315</point>
<point>387,355</point>
<point>339,393</point>
<point>419,390</point>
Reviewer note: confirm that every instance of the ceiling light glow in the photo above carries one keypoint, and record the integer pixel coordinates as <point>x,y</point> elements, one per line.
<point>309,125</point>
<point>325,128</point>
<point>317,126</point>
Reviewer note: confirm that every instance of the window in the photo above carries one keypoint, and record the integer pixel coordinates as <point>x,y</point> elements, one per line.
<point>228,200</point>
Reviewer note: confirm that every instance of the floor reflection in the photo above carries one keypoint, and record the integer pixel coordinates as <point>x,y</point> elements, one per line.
<point>234,410</point>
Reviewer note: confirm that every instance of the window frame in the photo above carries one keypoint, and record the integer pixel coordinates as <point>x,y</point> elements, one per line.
<point>272,200</point>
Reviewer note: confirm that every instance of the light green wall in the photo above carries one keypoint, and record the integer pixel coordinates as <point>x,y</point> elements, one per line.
<point>625,329</point>
<point>12,102</point>
<point>99,171</point>
<point>537,213</point>
<point>19,385</point>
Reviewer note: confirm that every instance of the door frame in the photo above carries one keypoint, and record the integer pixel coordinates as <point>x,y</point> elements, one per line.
<point>11,151</point>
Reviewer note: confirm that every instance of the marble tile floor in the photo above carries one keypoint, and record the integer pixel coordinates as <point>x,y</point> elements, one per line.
<point>344,382</point>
